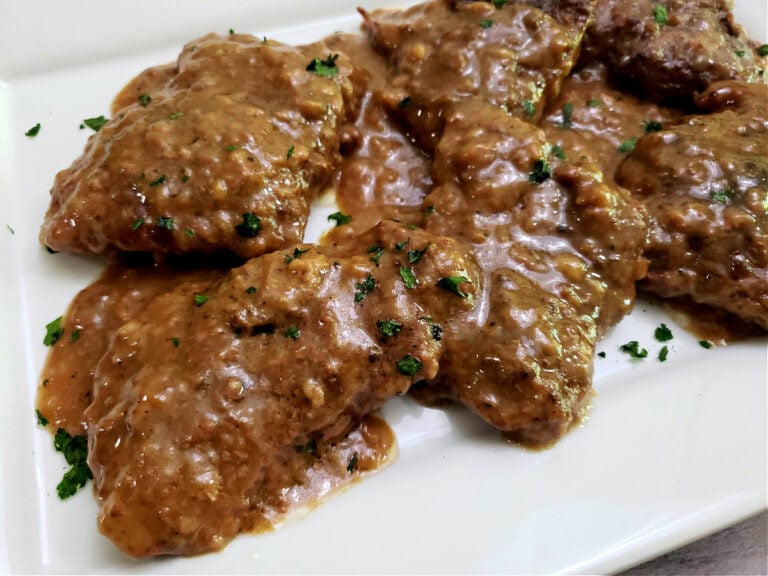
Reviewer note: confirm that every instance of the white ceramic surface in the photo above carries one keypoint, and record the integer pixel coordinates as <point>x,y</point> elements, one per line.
<point>670,452</point>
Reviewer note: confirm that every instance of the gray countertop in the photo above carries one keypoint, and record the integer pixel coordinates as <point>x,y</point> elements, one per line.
<point>740,549</point>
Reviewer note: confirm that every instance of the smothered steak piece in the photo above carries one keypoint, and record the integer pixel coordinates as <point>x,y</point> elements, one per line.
<point>561,249</point>
<point>667,51</point>
<point>196,405</point>
<point>705,185</point>
<point>224,154</point>
<point>442,52</point>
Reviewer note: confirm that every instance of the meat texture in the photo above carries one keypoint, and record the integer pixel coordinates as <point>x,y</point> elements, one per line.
<point>225,151</point>
<point>561,251</point>
<point>669,50</point>
<point>442,52</point>
<point>705,185</point>
<point>198,406</point>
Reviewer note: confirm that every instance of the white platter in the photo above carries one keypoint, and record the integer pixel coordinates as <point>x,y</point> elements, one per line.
<point>671,452</point>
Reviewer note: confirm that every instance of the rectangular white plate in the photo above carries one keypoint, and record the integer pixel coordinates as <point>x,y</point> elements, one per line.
<point>670,452</point>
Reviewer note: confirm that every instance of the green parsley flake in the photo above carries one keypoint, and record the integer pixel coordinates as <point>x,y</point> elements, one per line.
<point>722,196</point>
<point>660,15</point>
<point>437,332</point>
<point>74,336</point>
<point>404,103</point>
<point>408,365</point>
<point>138,223</point>
<point>594,102</point>
<point>158,181</point>
<point>567,118</point>
<point>415,255</point>
<point>41,420</point>
<point>400,245</point>
<point>95,124</point>
<point>250,290</point>
<point>185,177</point>
<point>308,448</point>
<point>762,50</point>
<point>144,100</point>
<point>558,152</point>
<point>175,341</point>
<point>175,115</point>
<point>409,278</point>
<point>740,53</point>
<point>189,232</point>
<point>663,354</point>
<point>652,126</point>
<point>165,223</point>
<point>377,252</point>
<point>388,327</point>
<point>485,23</point>
<point>290,153</point>
<point>705,344</point>
<point>231,148</point>
<point>53,332</point>
<point>529,108</point>
<point>499,3</point>
<point>352,465</point>
<point>296,254</point>
<point>451,284</point>
<point>429,210</point>
<point>364,288</point>
<point>628,145</point>
<point>293,332</point>
<point>325,68</point>
<point>250,225</point>
<point>662,333</point>
<point>601,354</point>
<point>231,31</point>
<point>633,349</point>
<point>75,450</point>
<point>200,299</point>
<point>34,131</point>
<point>340,218</point>
<point>541,172</point>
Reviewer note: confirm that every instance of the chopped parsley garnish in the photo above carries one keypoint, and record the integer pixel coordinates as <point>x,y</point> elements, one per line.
<point>594,102</point>
<point>652,126</point>
<point>231,31</point>
<point>41,420</point>
<point>74,336</point>
<point>762,50</point>
<point>158,181</point>
<point>34,131</point>
<point>662,333</point>
<point>633,349</point>
<point>11,230</point>
<point>437,332</point>
<point>290,152</point>
<point>408,365</point>
<point>185,177</point>
<point>409,278</point>
<point>293,332</point>
<point>628,145</point>
<point>352,465</point>
<point>231,148</point>
<point>53,332</point>
<point>722,196</point>
<point>175,341</point>
<point>164,223</point>
<point>95,124</point>
<point>175,115</point>
<point>705,344</point>
<point>189,232</point>
<point>558,152</point>
<point>250,290</point>
<point>340,218</point>
<point>601,354</point>
<point>660,15</point>
<point>567,118</point>
<point>377,252</point>
<point>325,68</point>
<point>144,100</point>
<point>75,450</point>
<point>529,108</point>
<point>429,210</point>
<point>400,245</point>
<point>200,299</point>
<point>541,172</point>
<point>404,103</point>
<point>663,354</point>
<point>388,327</point>
<point>364,288</point>
<point>250,225</point>
<point>499,3</point>
<point>308,448</point>
<point>138,223</point>
<point>296,254</point>
<point>451,283</point>
<point>485,23</point>
<point>415,255</point>
<point>740,53</point>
